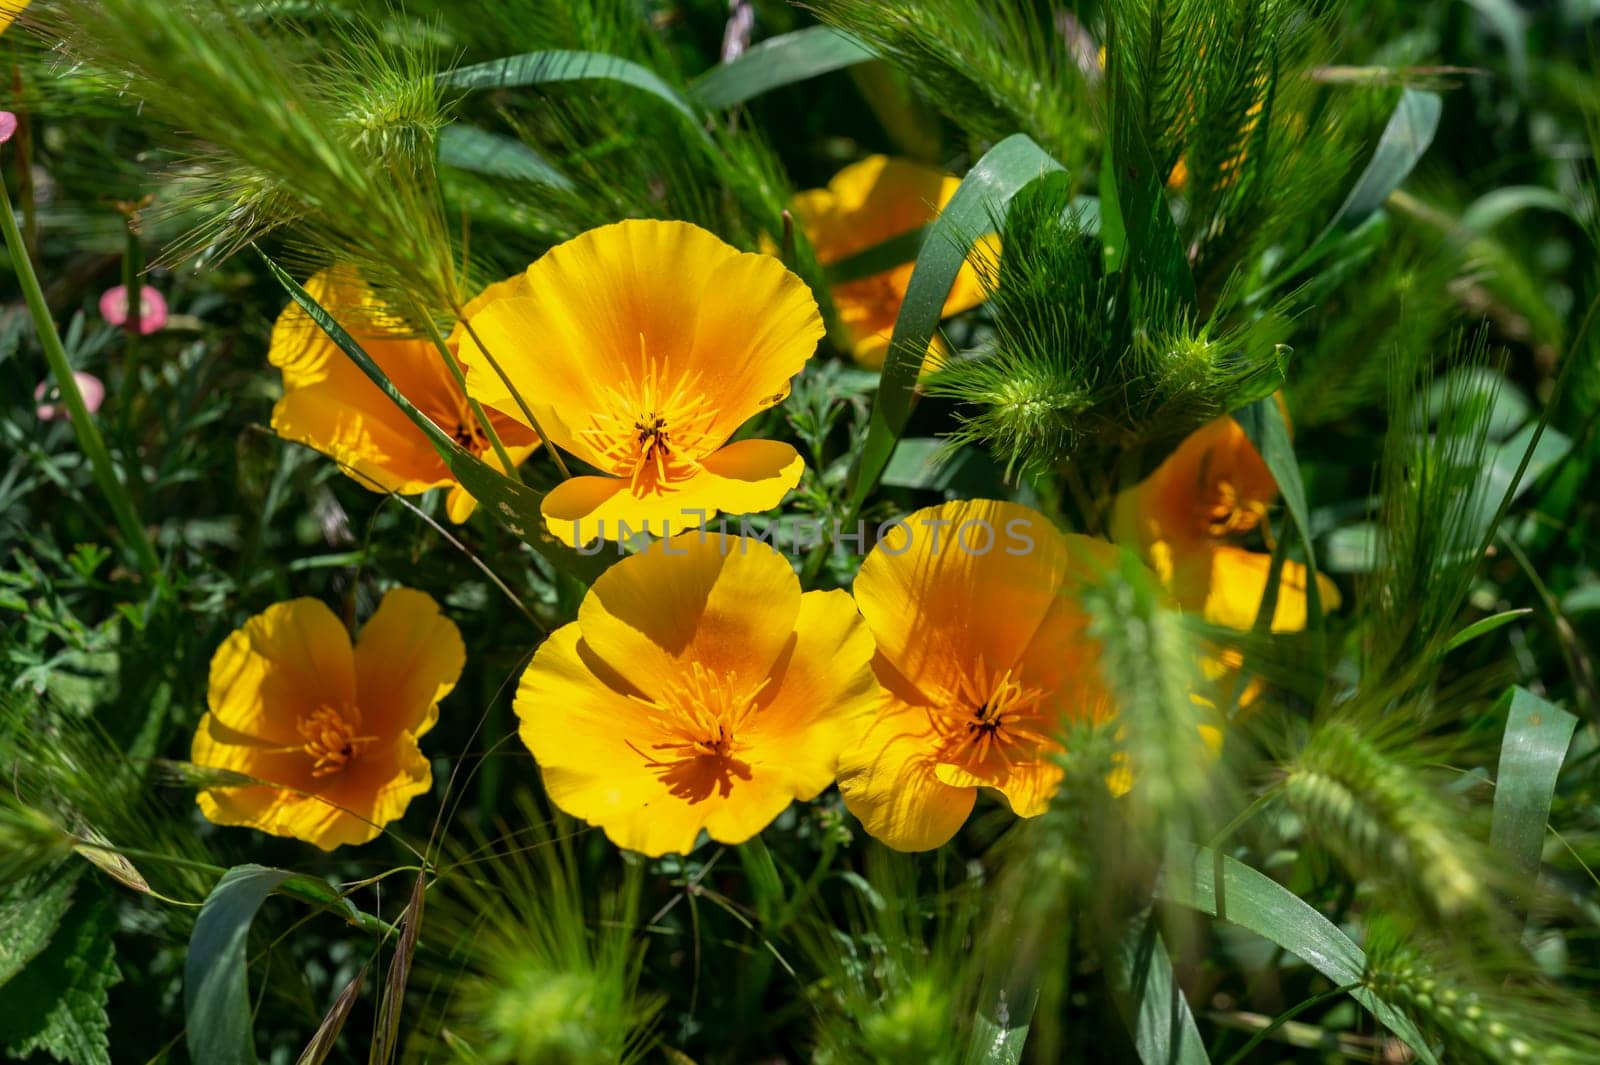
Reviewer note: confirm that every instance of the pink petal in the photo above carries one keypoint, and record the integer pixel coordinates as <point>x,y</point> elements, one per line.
<point>8,125</point>
<point>152,308</point>
<point>93,390</point>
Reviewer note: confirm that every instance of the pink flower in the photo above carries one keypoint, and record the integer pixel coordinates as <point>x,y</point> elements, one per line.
<point>8,125</point>
<point>152,308</point>
<point>94,393</point>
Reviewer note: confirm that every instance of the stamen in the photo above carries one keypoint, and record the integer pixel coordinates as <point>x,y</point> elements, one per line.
<point>997,717</point>
<point>1222,514</point>
<point>653,430</point>
<point>331,740</point>
<point>701,718</point>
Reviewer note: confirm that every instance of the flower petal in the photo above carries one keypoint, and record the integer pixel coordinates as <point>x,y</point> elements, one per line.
<point>937,606</point>
<point>1172,502</point>
<point>824,699</point>
<point>353,806</point>
<point>1028,787</point>
<point>869,202</point>
<point>642,299</point>
<point>408,656</point>
<point>1227,584</point>
<point>725,602</point>
<point>743,478</point>
<point>366,434</point>
<point>593,746</point>
<point>889,783</point>
<point>746,349</point>
<point>287,660</point>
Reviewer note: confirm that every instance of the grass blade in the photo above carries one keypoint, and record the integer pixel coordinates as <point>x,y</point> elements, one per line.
<point>495,155</point>
<point>1204,880</point>
<point>1531,755</point>
<point>216,995</point>
<point>547,68</point>
<point>1484,626</point>
<point>327,1033</point>
<point>779,61</point>
<point>1404,141</point>
<point>983,195</point>
<point>885,255</point>
<point>1152,1003</point>
<point>386,1041</point>
<point>1263,422</point>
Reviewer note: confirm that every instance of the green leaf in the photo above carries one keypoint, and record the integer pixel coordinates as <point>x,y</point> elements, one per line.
<point>1263,422</point>
<point>470,148</point>
<point>1484,626</point>
<point>1405,140</point>
<point>546,68</point>
<point>984,192</point>
<point>997,1040</point>
<point>1531,754</point>
<point>1204,880</point>
<point>216,995</point>
<point>927,462</point>
<point>903,247</point>
<point>57,1005</point>
<point>513,503</point>
<point>1485,387</point>
<point>30,910</point>
<point>1492,208</point>
<point>777,62</point>
<point>1506,458</point>
<point>1510,24</point>
<point>1152,1003</point>
<point>885,255</point>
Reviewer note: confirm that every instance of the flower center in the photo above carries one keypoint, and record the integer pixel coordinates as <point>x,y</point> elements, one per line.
<point>699,719</point>
<point>655,429</point>
<point>331,738</point>
<point>997,716</point>
<point>469,434</point>
<point>1223,514</point>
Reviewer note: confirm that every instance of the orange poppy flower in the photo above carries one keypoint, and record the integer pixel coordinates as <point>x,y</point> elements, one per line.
<point>698,689</point>
<point>983,650</point>
<point>330,405</point>
<point>867,203</point>
<point>329,729</point>
<point>640,347</point>
<point>1213,488</point>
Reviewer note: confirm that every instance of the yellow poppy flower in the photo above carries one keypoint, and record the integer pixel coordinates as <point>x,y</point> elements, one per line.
<point>867,203</point>
<point>1215,486</point>
<point>983,651</point>
<point>640,347</point>
<point>9,10</point>
<point>698,689</point>
<point>330,405</point>
<point>329,729</point>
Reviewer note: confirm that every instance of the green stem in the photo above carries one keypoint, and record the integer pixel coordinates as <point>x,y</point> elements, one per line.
<point>461,382</point>
<point>83,424</point>
<point>133,283</point>
<point>533,423</point>
<point>1285,1017</point>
